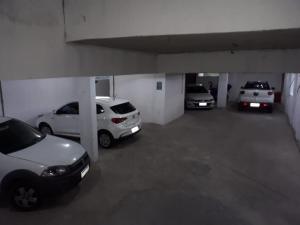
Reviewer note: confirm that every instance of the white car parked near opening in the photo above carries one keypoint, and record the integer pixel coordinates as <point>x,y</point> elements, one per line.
<point>256,95</point>
<point>33,165</point>
<point>198,97</point>
<point>116,118</point>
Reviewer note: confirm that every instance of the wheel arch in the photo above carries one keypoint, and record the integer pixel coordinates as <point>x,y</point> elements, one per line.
<point>17,175</point>
<point>105,131</point>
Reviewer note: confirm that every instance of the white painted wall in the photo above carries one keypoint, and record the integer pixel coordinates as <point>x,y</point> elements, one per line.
<point>32,45</point>
<point>141,91</point>
<point>291,99</point>
<point>119,18</point>
<point>102,87</point>
<point>175,94</point>
<point>156,106</point>
<point>239,79</point>
<point>26,99</point>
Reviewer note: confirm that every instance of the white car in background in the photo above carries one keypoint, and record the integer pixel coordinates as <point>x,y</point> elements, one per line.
<point>33,165</point>
<point>116,118</point>
<point>256,95</point>
<point>198,97</point>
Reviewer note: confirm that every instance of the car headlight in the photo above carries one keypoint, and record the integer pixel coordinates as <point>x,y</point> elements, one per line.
<point>54,171</point>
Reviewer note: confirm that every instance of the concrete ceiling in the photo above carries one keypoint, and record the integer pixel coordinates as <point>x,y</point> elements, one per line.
<point>275,39</point>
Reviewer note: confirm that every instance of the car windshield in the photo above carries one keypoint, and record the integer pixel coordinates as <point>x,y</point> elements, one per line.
<point>123,108</point>
<point>196,89</point>
<point>257,85</point>
<point>16,135</point>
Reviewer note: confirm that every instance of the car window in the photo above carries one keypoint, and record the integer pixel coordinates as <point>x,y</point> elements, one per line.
<point>123,108</point>
<point>71,109</point>
<point>100,109</point>
<point>196,89</point>
<point>257,85</point>
<point>16,135</point>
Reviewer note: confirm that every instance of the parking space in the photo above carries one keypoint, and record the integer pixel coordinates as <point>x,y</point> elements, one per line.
<point>216,167</point>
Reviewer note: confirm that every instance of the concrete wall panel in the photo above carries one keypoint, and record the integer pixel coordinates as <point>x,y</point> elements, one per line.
<point>119,18</point>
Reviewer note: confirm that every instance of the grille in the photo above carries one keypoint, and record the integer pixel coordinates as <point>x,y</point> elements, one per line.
<point>80,163</point>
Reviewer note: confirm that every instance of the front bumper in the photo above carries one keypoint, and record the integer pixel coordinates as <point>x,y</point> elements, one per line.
<point>61,184</point>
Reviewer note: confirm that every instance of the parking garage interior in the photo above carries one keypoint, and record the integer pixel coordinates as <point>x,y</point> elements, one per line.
<point>185,166</point>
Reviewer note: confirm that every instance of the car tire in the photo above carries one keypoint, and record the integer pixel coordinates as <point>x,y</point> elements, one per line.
<point>25,196</point>
<point>240,108</point>
<point>270,110</point>
<point>45,129</point>
<point>105,139</point>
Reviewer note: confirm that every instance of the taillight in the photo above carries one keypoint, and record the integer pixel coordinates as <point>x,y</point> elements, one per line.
<point>242,92</point>
<point>270,93</point>
<point>118,120</point>
<point>245,103</point>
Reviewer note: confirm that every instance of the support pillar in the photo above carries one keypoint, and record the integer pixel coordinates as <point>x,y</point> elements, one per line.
<point>296,119</point>
<point>1,101</point>
<point>88,116</point>
<point>222,90</point>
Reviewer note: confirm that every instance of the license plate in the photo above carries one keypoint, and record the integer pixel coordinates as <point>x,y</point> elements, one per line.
<point>202,104</point>
<point>255,105</point>
<point>135,129</point>
<point>85,171</point>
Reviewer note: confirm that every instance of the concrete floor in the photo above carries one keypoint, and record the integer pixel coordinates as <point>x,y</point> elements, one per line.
<point>208,167</point>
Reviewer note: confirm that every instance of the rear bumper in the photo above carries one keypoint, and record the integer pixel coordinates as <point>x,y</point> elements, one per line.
<point>262,105</point>
<point>128,131</point>
<point>122,131</point>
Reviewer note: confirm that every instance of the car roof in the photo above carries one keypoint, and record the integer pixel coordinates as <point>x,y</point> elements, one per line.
<point>4,119</point>
<point>110,101</point>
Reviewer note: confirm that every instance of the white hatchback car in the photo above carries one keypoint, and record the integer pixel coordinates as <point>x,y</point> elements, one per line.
<point>116,118</point>
<point>33,165</point>
<point>256,95</point>
<point>198,97</point>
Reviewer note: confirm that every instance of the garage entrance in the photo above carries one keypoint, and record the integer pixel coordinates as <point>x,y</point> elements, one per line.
<point>216,166</point>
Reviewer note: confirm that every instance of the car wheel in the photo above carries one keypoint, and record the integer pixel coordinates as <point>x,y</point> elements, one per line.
<point>46,129</point>
<point>270,110</point>
<point>25,196</point>
<point>240,108</point>
<point>105,139</point>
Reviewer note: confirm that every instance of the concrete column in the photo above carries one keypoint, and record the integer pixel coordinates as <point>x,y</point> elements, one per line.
<point>296,119</point>
<point>1,101</point>
<point>88,116</point>
<point>112,86</point>
<point>222,90</point>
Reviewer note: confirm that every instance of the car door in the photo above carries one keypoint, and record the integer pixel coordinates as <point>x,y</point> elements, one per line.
<point>66,119</point>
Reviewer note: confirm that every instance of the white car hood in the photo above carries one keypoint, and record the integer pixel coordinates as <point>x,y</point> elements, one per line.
<point>51,151</point>
<point>199,96</point>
